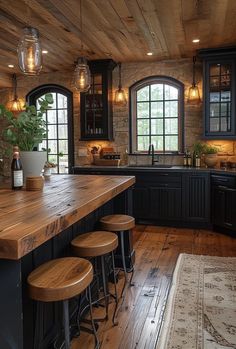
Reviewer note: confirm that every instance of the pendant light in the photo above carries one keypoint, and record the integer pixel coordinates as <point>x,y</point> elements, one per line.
<point>82,76</point>
<point>193,93</point>
<point>30,52</point>
<point>120,97</point>
<point>16,105</point>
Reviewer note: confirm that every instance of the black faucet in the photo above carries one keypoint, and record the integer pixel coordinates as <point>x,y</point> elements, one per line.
<point>152,153</point>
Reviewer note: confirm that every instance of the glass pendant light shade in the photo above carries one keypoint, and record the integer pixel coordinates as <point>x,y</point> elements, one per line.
<point>30,52</point>
<point>120,97</point>
<point>16,105</point>
<point>193,93</point>
<point>82,77</point>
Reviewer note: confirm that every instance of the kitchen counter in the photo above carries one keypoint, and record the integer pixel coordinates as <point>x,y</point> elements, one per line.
<point>29,218</point>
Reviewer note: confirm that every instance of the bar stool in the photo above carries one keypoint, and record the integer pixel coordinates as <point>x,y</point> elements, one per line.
<point>120,224</point>
<point>98,244</point>
<point>59,280</point>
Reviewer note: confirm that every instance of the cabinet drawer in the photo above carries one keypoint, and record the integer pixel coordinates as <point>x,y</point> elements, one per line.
<point>164,179</point>
<point>228,181</point>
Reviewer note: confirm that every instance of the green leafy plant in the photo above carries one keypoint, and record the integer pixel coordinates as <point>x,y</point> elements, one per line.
<point>203,148</point>
<point>28,128</point>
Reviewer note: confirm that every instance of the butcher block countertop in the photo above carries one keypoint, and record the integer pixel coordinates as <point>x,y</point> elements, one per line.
<point>29,218</point>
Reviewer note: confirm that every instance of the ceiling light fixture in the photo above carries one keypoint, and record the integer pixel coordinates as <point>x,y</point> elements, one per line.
<point>193,93</point>
<point>149,53</point>
<point>29,52</point>
<point>10,65</point>
<point>195,41</point>
<point>44,52</point>
<point>120,97</point>
<point>16,105</point>
<point>82,76</point>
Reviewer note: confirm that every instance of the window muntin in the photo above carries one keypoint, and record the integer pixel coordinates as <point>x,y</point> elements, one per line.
<point>57,138</point>
<point>156,108</point>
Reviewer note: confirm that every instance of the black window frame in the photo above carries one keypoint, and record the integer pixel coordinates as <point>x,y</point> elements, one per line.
<point>148,81</point>
<point>39,91</point>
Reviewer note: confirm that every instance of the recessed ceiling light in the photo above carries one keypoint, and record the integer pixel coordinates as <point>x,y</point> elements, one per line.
<point>11,66</point>
<point>44,51</point>
<point>195,41</point>
<point>149,54</point>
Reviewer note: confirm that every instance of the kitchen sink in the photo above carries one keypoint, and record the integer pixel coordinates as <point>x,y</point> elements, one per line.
<point>152,166</point>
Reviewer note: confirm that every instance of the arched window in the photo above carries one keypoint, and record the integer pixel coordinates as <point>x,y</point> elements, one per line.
<point>157,115</point>
<point>59,120</point>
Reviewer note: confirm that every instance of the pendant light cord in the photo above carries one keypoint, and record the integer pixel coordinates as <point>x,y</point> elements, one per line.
<point>14,82</point>
<point>81,27</point>
<point>119,65</point>
<point>194,62</point>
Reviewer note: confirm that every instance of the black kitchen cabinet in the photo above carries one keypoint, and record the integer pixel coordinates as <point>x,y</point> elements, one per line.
<point>223,202</point>
<point>141,202</point>
<point>196,197</point>
<point>219,92</point>
<point>165,204</point>
<point>96,104</point>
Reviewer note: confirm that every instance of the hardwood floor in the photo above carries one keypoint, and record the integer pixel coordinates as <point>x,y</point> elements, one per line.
<point>140,315</point>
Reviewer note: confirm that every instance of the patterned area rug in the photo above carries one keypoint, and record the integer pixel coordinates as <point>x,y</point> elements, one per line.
<point>201,307</point>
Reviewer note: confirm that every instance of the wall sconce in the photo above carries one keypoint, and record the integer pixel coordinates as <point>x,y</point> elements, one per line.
<point>193,93</point>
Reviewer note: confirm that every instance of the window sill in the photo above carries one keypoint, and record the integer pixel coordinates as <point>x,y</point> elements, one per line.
<point>162,154</point>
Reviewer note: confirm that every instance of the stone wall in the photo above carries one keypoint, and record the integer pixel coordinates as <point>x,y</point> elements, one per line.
<point>131,72</point>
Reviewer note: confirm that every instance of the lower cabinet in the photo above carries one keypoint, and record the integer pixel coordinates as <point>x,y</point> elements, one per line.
<point>165,203</point>
<point>223,202</point>
<point>196,197</point>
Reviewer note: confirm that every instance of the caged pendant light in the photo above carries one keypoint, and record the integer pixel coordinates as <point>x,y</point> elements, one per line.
<point>82,76</point>
<point>30,52</point>
<point>120,97</point>
<point>16,105</point>
<point>193,93</point>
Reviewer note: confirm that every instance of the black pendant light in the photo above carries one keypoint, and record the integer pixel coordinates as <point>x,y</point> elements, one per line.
<point>193,93</point>
<point>82,76</point>
<point>120,97</point>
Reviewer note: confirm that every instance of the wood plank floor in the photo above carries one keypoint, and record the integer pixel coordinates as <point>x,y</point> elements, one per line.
<point>140,315</point>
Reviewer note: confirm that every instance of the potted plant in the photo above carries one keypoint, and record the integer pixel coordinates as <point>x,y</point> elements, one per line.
<point>27,130</point>
<point>210,155</point>
<point>49,165</point>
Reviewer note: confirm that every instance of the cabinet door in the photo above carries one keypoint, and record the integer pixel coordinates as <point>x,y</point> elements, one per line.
<point>224,207</point>
<point>165,203</point>
<point>141,202</point>
<point>196,197</point>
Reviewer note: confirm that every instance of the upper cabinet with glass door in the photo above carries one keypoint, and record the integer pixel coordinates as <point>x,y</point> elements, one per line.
<point>96,104</point>
<point>219,92</point>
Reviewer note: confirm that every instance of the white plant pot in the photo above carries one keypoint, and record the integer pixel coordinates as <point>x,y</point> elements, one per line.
<point>33,162</point>
<point>47,172</point>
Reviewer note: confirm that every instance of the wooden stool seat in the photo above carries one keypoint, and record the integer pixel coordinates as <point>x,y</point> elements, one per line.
<point>117,222</point>
<point>94,244</point>
<point>60,279</point>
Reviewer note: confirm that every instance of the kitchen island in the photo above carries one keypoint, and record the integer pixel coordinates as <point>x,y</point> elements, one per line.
<point>38,226</point>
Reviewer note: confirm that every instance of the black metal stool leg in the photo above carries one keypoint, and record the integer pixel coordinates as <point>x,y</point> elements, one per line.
<point>115,286</point>
<point>123,260</point>
<point>106,295</point>
<point>97,344</point>
<point>66,323</point>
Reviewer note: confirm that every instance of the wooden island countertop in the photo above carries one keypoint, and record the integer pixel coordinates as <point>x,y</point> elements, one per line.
<point>29,218</point>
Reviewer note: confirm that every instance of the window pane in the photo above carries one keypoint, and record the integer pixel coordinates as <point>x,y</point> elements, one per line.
<point>143,110</point>
<point>157,92</point>
<point>171,92</point>
<point>143,94</point>
<point>52,158</point>
<point>63,164</point>
<point>224,124</point>
<point>143,127</point>
<point>214,109</point>
<point>52,131</point>
<point>142,142</point>
<point>52,116</point>
<point>171,109</point>
<point>214,124</point>
<point>157,141</point>
<point>62,116</point>
<point>171,126</point>
<point>62,101</point>
<point>43,145</point>
<point>62,131</point>
<point>225,96</point>
<point>224,109</point>
<point>214,96</point>
<point>63,146</point>
<point>157,109</point>
<point>171,143</point>
<point>52,145</point>
<point>157,126</point>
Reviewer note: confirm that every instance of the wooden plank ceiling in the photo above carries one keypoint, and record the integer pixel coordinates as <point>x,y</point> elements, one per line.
<point>124,30</point>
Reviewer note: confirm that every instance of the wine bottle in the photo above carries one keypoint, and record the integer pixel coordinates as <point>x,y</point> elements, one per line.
<point>16,170</point>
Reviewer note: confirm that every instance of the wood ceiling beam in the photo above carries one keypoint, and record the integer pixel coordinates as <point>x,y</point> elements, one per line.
<point>5,80</point>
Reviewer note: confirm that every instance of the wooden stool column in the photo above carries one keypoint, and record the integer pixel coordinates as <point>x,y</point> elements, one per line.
<point>119,224</point>
<point>59,280</point>
<point>98,244</point>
